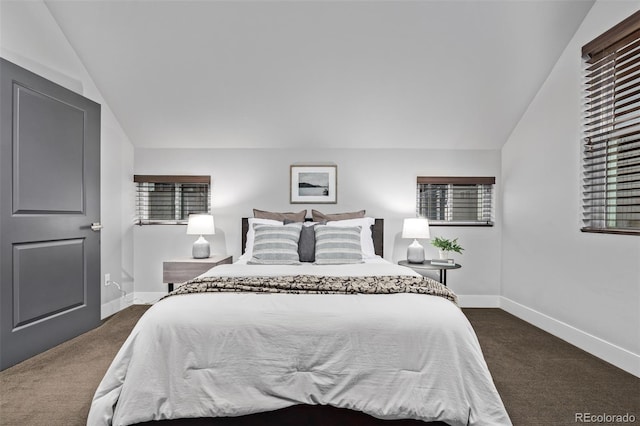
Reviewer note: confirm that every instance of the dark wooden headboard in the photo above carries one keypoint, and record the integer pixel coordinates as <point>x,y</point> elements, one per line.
<point>377,233</point>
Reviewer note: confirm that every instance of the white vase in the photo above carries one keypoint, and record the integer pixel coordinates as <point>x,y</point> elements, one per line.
<point>443,254</point>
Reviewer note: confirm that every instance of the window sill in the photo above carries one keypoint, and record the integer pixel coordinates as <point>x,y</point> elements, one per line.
<point>611,231</point>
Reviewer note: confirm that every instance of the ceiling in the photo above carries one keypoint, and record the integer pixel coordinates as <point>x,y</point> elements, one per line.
<point>319,74</point>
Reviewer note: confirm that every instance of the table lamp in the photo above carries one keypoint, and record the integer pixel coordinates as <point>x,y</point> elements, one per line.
<point>415,228</point>
<point>200,224</point>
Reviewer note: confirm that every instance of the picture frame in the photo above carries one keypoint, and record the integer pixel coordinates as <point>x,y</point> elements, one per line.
<point>313,184</point>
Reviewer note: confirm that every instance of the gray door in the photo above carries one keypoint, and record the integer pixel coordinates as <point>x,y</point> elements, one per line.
<point>49,196</point>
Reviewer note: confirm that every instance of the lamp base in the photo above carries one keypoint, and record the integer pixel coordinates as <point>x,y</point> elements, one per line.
<point>201,249</point>
<point>415,252</point>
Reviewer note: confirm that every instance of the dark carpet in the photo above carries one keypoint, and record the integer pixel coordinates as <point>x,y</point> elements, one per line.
<point>542,380</point>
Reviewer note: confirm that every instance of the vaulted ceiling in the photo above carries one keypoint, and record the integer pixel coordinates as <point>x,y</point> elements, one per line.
<point>301,74</point>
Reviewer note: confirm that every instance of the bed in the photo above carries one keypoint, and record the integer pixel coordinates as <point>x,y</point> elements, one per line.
<point>252,338</point>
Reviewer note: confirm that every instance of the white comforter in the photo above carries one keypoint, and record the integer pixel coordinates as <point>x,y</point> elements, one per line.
<point>230,354</point>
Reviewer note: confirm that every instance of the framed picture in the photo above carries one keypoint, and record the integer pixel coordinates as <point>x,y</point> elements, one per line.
<point>314,184</point>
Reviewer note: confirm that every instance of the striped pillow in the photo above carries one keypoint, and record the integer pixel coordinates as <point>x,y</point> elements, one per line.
<point>276,245</point>
<point>338,245</point>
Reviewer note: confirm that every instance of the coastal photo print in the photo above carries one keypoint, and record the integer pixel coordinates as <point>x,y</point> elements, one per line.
<point>313,184</point>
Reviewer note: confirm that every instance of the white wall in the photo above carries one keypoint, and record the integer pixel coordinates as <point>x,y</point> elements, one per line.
<point>30,37</point>
<point>381,181</point>
<point>583,287</point>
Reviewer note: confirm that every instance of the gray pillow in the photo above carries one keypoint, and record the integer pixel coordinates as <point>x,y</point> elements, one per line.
<point>336,245</point>
<point>276,245</point>
<point>294,217</point>
<point>307,242</point>
<point>319,216</point>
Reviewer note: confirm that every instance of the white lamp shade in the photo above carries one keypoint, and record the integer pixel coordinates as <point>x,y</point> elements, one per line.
<point>200,224</point>
<point>415,228</point>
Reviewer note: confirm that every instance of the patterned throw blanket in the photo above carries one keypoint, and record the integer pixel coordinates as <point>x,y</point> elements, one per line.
<point>313,284</point>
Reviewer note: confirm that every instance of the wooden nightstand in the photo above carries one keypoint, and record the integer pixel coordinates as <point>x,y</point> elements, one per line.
<point>181,270</point>
<point>427,266</point>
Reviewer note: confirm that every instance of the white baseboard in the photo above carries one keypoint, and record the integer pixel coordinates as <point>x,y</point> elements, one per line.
<point>116,305</point>
<point>147,297</point>
<point>613,354</point>
<point>478,301</point>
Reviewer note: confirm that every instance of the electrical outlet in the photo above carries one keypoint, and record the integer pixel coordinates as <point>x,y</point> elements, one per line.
<point>107,279</point>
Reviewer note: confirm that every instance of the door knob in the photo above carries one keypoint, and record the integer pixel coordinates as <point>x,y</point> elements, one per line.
<point>96,226</point>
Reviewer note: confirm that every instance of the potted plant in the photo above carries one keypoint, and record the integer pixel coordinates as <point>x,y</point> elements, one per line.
<point>445,246</point>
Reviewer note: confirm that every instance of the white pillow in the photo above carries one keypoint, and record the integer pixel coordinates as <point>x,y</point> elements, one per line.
<point>276,245</point>
<point>338,245</point>
<point>248,250</point>
<point>366,239</point>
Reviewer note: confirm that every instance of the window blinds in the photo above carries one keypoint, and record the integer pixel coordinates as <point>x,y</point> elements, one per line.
<point>162,199</point>
<point>611,146</point>
<point>455,200</point>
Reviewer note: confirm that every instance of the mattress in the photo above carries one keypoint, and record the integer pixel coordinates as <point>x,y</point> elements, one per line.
<point>393,356</point>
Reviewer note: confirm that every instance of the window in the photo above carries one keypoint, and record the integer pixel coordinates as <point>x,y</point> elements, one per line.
<point>456,200</point>
<point>611,146</point>
<point>171,199</point>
